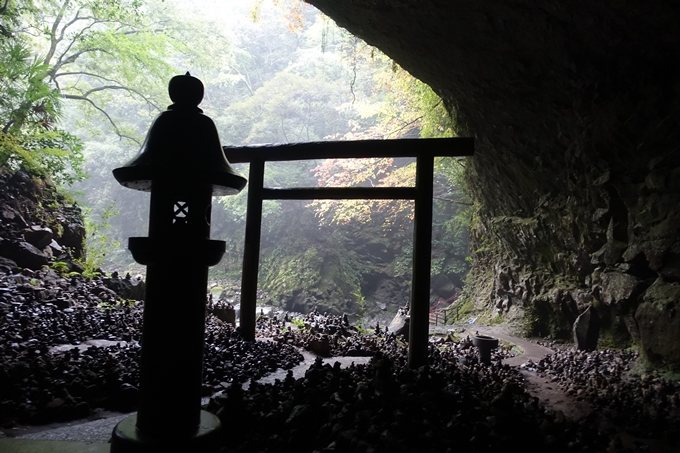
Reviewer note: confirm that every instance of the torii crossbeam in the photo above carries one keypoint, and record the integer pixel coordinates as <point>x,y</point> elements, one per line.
<point>424,150</point>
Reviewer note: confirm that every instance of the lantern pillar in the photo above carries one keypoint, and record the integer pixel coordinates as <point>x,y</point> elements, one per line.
<point>183,170</point>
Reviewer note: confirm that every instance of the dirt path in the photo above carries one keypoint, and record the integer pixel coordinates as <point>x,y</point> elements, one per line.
<point>550,395</point>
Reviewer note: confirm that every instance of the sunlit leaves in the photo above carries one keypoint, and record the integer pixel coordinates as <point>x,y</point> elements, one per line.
<point>29,111</point>
<point>383,172</point>
<point>293,11</point>
<point>287,108</point>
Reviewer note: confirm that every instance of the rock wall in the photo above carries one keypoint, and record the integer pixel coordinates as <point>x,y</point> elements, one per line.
<point>576,175</point>
<point>37,224</point>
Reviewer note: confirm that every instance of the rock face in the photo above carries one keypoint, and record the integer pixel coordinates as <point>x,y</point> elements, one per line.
<point>575,111</point>
<point>36,222</point>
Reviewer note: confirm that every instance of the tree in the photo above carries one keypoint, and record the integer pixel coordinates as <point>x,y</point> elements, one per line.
<point>287,108</point>
<point>29,111</point>
<point>406,108</point>
<point>93,50</point>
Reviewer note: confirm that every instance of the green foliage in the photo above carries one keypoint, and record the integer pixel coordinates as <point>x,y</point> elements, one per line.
<point>363,330</point>
<point>298,322</point>
<point>403,265</point>
<point>299,78</point>
<point>287,108</point>
<point>293,266</point>
<point>28,101</point>
<point>119,303</point>
<point>362,309</point>
<point>60,267</point>
<point>97,242</point>
<point>29,109</point>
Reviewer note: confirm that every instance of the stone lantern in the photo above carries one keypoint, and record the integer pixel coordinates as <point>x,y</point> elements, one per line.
<point>183,165</point>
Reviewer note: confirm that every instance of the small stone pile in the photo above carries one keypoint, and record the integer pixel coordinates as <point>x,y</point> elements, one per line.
<point>645,405</point>
<point>228,358</point>
<point>330,335</point>
<point>324,334</point>
<point>69,344</point>
<point>454,404</point>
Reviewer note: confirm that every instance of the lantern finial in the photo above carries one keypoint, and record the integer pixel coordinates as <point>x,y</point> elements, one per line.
<point>185,91</point>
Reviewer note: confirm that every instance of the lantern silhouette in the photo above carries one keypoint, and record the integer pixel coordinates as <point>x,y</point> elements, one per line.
<point>183,165</point>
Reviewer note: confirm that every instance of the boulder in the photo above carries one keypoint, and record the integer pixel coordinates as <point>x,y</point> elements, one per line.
<point>587,330</point>
<point>73,232</point>
<point>7,265</point>
<point>24,254</point>
<point>658,323</point>
<point>618,286</point>
<point>74,266</point>
<point>56,248</point>
<point>38,236</point>
<point>126,288</point>
<point>400,324</point>
<point>138,289</point>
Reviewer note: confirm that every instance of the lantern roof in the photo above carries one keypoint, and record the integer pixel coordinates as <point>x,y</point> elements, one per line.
<point>182,147</point>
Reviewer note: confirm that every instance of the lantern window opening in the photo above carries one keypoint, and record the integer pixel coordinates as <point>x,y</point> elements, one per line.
<point>181,212</point>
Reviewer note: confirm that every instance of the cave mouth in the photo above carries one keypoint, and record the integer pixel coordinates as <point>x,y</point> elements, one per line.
<point>574,110</point>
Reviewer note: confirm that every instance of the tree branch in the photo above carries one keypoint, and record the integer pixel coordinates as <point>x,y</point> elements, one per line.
<point>103,112</point>
<point>60,60</point>
<point>124,88</point>
<point>75,19</point>
<point>53,35</point>
<point>405,126</point>
<point>74,57</point>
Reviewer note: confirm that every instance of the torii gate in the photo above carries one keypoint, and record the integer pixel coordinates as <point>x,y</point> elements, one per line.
<point>424,150</point>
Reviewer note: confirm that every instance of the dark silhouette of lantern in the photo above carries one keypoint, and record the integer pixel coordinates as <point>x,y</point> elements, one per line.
<point>183,165</point>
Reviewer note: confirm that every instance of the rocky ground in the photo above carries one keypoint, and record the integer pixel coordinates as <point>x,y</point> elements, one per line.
<point>379,406</point>
<point>456,404</point>
<point>45,378</point>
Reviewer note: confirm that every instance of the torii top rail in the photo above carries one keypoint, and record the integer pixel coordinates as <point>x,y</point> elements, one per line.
<point>424,150</point>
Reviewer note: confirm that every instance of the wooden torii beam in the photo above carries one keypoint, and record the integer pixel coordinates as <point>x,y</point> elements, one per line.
<point>424,150</point>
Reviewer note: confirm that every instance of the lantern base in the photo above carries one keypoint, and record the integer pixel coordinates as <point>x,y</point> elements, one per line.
<point>126,438</point>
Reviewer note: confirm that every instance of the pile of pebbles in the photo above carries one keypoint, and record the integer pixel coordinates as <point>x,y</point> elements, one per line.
<point>341,339</point>
<point>69,345</point>
<point>644,405</point>
<point>324,334</point>
<point>454,404</point>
